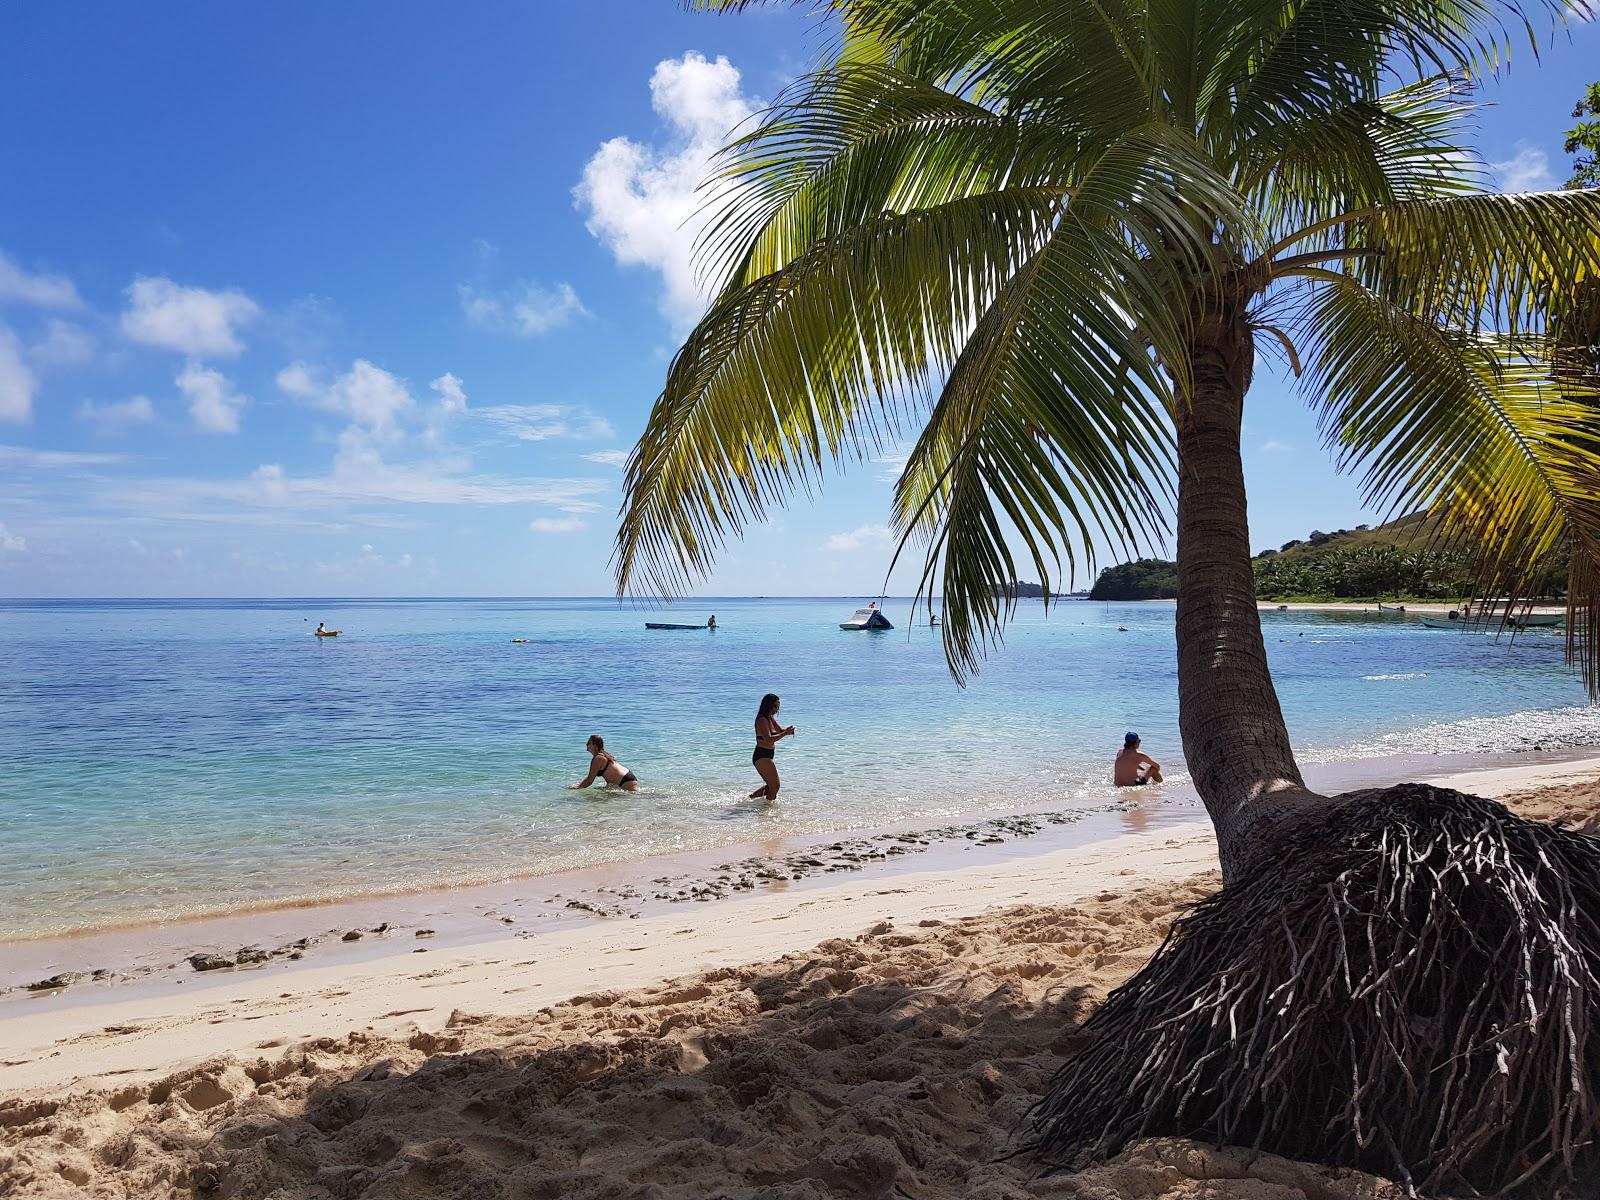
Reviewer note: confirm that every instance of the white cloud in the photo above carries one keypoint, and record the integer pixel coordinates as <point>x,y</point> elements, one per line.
<point>18,384</point>
<point>452,396</point>
<point>63,345</point>
<point>114,418</point>
<point>26,458</point>
<point>190,320</point>
<point>1273,446</point>
<point>1528,170</point>
<point>527,310</point>
<point>642,201</point>
<point>541,422</point>
<point>40,291</point>
<point>213,403</point>
<point>370,396</point>
<point>864,535</point>
<point>403,562</point>
<point>609,458</point>
<point>11,543</point>
<point>556,525</point>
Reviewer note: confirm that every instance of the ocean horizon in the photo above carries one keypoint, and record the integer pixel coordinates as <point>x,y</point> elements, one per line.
<point>170,756</point>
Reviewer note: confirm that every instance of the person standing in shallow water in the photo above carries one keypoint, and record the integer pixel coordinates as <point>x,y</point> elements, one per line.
<point>768,734</point>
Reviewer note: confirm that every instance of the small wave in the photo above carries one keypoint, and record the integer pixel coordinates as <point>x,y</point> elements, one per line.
<point>1533,729</point>
<point>1401,675</point>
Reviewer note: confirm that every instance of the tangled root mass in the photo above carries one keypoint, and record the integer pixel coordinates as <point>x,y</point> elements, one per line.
<point>1411,987</point>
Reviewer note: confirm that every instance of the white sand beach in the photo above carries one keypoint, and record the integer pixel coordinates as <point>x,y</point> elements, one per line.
<point>878,1035</point>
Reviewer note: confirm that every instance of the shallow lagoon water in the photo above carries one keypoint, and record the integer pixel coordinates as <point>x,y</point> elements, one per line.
<point>161,758</point>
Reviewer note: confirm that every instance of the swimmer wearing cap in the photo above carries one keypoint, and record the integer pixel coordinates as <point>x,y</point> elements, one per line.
<point>1134,768</point>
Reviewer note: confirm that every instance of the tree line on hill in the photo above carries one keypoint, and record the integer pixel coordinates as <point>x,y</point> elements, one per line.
<point>1318,570</point>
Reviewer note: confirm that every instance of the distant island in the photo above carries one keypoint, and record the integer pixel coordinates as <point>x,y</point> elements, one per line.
<point>1146,579</point>
<point>1019,589</point>
<point>1398,560</point>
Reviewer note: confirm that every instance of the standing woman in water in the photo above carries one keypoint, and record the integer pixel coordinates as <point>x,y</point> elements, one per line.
<point>768,734</point>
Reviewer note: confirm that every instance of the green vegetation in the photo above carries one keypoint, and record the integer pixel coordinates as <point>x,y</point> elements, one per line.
<point>1364,573</point>
<point>1146,579</point>
<point>1585,136</point>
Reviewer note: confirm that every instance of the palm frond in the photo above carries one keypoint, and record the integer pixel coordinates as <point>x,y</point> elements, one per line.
<point>852,144</point>
<point>1475,428</point>
<point>813,362</point>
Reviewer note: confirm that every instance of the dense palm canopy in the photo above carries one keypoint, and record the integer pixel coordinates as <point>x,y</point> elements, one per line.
<point>1002,226</point>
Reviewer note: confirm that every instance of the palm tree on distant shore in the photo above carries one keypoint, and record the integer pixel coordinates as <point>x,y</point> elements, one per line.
<point>1049,238</point>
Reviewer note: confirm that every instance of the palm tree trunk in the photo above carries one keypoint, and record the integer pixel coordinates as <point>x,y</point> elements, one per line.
<point>1234,736</point>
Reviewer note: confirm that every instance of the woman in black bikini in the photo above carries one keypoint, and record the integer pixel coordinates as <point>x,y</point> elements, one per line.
<point>605,767</point>
<point>768,734</point>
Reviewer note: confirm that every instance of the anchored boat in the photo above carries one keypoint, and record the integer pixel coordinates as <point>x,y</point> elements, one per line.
<point>870,617</point>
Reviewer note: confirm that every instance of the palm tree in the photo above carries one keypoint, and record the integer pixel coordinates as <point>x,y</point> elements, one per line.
<point>1049,237</point>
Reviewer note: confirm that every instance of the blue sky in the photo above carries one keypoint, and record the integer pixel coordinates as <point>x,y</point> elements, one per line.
<point>370,299</point>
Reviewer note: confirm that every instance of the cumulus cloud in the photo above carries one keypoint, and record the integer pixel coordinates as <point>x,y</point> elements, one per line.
<point>1273,446</point>
<point>609,458</point>
<point>642,202</point>
<point>190,320</point>
<point>1528,170</point>
<point>452,395</point>
<point>11,543</point>
<point>856,539</point>
<point>541,422</point>
<point>40,291</point>
<point>526,310</point>
<point>371,397</point>
<point>214,404</point>
<point>18,384</point>
<point>63,345</point>
<point>114,418</point>
<point>556,525</point>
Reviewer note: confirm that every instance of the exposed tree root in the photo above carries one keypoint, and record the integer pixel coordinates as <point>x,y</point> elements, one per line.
<point>1411,987</point>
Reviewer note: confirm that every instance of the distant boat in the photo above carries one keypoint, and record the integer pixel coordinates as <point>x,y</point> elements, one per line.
<point>1442,623</point>
<point>326,633</point>
<point>668,625</point>
<point>870,617</point>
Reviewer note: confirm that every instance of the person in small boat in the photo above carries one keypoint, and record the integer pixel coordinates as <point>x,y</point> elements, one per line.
<point>1134,767</point>
<point>322,629</point>
<point>712,624</point>
<point>768,734</point>
<point>603,765</point>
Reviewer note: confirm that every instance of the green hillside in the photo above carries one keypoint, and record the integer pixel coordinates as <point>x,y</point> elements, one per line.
<point>1394,561</point>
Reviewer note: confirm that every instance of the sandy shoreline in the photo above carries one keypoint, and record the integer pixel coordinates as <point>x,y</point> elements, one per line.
<point>867,1034</point>
<point>425,955</point>
<point>864,1035</point>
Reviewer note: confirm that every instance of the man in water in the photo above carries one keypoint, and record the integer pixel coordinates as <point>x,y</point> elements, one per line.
<point>712,624</point>
<point>1134,767</point>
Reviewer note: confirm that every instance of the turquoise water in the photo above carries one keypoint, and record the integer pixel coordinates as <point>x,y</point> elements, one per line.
<point>161,758</point>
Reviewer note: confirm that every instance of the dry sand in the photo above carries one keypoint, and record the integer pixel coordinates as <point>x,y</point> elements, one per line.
<point>891,1057</point>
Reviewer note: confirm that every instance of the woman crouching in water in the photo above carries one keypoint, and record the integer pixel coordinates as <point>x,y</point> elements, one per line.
<point>605,767</point>
<point>768,734</point>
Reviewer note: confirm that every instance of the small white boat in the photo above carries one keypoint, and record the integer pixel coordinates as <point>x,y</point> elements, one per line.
<point>1442,623</point>
<point>870,617</point>
<point>1535,620</point>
